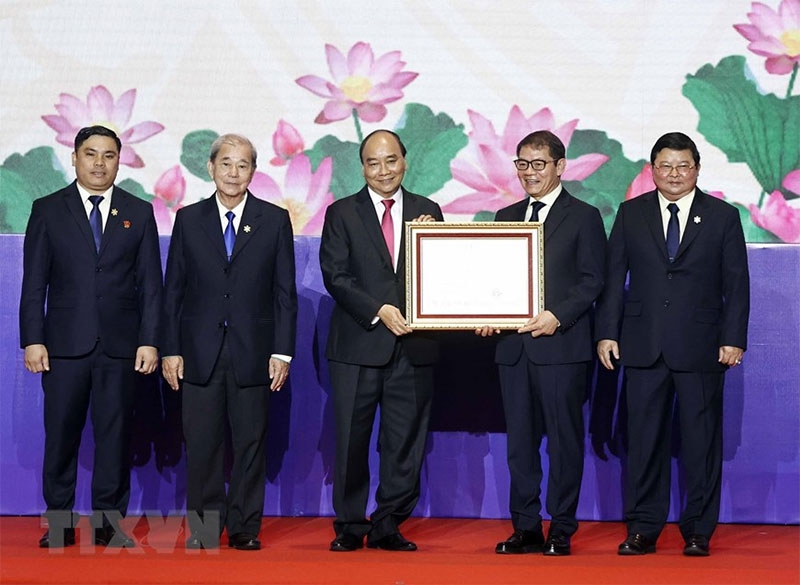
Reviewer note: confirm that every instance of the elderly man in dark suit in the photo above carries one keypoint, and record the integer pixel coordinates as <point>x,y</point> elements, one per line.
<point>544,367</point>
<point>91,296</point>
<point>374,358</point>
<point>682,325</point>
<point>230,314</point>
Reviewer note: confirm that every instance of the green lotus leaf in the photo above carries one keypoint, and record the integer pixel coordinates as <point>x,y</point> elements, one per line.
<point>347,176</point>
<point>194,152</point>
<point>432,141</point>
<point>24,178</point>
<point>134,188</point>
<point>761,130</point>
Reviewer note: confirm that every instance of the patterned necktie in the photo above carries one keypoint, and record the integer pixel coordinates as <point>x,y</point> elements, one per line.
<point>387,226</point>
<point>230,234</point>
<point>96,220</point>
<point>673,232</point>
<point>536,206</point>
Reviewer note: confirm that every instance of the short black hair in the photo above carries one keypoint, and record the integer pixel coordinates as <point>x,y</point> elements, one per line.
<point>675,141</point>
<point>371,134</point>
<point>542,138</point>
<point>85,133</point>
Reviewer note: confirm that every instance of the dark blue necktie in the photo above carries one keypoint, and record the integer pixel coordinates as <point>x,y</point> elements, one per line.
<point>230,234</point>
<point>536,205</point>
<point>673,232</point>
<point>96,220</point>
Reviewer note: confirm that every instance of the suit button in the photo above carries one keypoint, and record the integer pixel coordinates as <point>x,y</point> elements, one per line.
<point>666,303</point>
<point>98,269</point>
<point>225,270</point>
<point>669,276</point>
<point>227,296</point>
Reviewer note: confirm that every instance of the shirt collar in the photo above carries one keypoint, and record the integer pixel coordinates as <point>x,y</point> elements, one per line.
<point>548,199</point>
<point>684,203</point>
<point>85,194</point>
<point>237,211</point>
<point>376,199</point>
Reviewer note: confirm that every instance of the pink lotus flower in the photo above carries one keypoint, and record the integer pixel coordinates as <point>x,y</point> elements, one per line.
<point>791,182</point>
<point>778,217</point>
<point>642,183</point>
<point>490,173</point>
<point>306,195</point>
<point>170,188</point>
<point>100,109</point>
<point>774,35</point>
<point>287,143</point>
<point>359,83</point>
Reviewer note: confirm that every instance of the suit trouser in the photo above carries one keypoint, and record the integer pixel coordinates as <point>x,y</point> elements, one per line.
<point>206,409</point>
<point>651,396</point>
<point>70,387</point>
<point>404,393</point>
<point>539,399</point>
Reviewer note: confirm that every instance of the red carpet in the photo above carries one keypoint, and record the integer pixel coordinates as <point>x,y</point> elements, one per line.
<point>452,551</point>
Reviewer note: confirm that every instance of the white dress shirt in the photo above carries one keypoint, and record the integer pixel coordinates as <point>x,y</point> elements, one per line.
<point>684,206</point>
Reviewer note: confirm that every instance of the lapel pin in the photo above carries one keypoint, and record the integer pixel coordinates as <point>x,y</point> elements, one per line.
<point>126,224</point>
<point>114,212</point>
<point>246,229</point>
<point>697,219</point>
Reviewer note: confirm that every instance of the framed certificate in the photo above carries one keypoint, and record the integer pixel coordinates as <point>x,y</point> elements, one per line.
<point>467,275</point>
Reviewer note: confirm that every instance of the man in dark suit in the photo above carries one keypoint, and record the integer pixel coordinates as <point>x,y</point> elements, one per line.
<point>682,325</point>
<point>88,319</point>
<point>545,366</point>
<point>374,358</point>
<point>230,314</point>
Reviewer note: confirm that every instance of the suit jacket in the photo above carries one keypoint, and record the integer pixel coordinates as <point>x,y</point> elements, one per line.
<point>683,310</point>
<point>73,295</point>
<point>254,293</point>
<point>574,264</point>
<point>358,273</point>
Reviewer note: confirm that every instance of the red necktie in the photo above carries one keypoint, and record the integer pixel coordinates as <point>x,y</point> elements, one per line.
<point>387,227</point>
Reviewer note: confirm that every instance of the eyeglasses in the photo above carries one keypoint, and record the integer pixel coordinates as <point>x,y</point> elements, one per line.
<point>537,165</point>
<point>666,169</point>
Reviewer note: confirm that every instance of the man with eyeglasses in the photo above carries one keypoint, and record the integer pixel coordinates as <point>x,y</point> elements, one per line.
<point>545,366</point>
<point>681,327</point>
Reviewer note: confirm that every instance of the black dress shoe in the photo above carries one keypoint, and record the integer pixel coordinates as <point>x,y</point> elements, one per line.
<point>557,545</point>
<point>112,537</point>
<point>244,541</point>
<point>195,542</point>
<point>696,546</point>
<point>347,542</point>
<point>392,542</point>
<point>68,540</point>
<point>521,542</point>
<point>636,544</point>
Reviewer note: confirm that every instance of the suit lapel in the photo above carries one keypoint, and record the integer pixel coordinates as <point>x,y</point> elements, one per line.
<point>212,226</point>
<point>116,218</point>
<point>74,203</point>
<point>652,218</point>
<point>694,221</point>
<point>519,209</point>
<point>249,224</point>
<point>557,213</point>
<point>372,227</point>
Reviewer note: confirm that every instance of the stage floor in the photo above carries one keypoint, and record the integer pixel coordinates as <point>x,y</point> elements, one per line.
<point>451,551</point>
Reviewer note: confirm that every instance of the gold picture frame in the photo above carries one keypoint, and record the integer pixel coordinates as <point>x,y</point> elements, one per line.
<point>470,275</point>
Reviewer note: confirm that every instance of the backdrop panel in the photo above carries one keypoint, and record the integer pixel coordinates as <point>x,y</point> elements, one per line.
<point>465,472</point>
